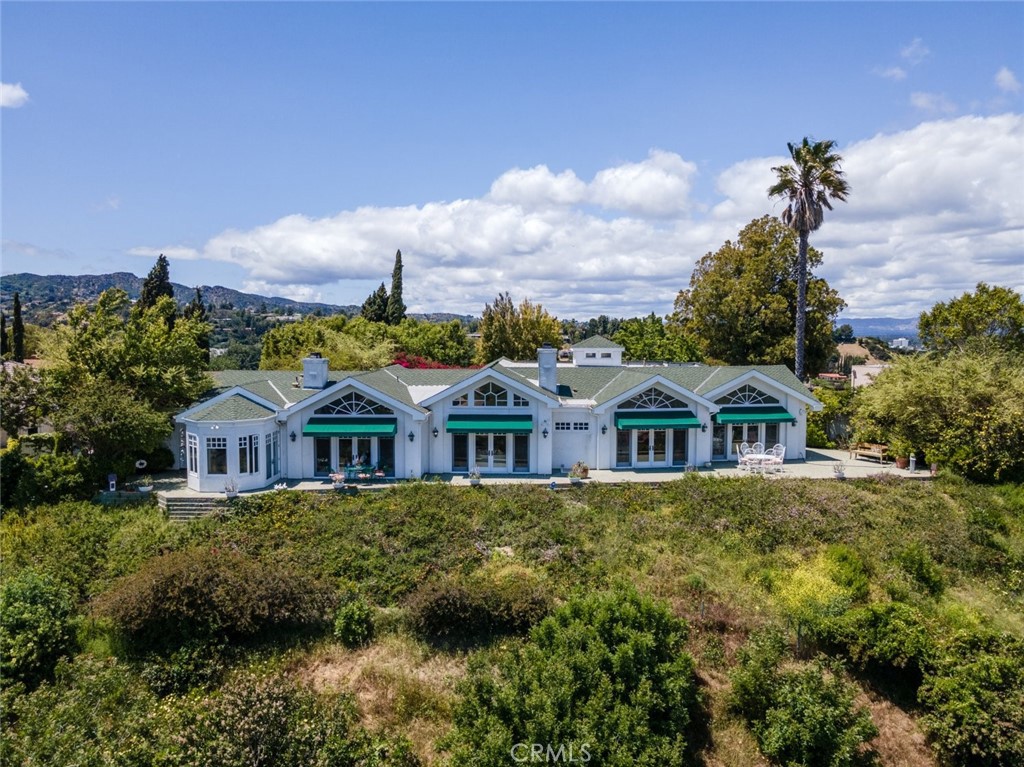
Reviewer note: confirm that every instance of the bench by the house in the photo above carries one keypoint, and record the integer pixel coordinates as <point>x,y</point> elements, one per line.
<point>870,450</point>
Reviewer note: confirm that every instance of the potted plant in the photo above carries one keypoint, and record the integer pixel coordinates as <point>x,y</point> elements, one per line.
<point>839,469</point>
<point>231,488</point>
<point>900,447</point>
<point>578,472</point>
<point>338,479</point>
<point>474,476</point>
<point>144,483</point>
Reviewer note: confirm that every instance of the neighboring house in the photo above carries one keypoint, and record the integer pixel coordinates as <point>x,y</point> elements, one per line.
<point>531,418</point>
<point>862,375</point>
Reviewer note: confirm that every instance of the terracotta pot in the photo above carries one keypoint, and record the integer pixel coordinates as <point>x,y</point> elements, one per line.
<point>902,463</point>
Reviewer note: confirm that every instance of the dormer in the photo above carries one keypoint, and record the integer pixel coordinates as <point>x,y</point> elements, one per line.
<point>597,351</point>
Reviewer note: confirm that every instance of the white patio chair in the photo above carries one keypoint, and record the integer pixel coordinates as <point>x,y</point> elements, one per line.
<point>778,456</point>
<point>757,447</point>
<point>742,453</point>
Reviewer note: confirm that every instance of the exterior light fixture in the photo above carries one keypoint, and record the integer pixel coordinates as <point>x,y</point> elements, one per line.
<point>292,436</point>
<point>435,432</point>
<point>544,432</point>
<point>604,428</point>
<point>704,427</point>
<point>412,436</point>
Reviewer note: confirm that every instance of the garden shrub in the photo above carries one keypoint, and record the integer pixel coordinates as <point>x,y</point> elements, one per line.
<point>496,599</point>
<point>919,565</point>
<point>974,702</point>
<point>196,664</point>
<point>353,622</point>
<point>604,679</point>
<point>208,594</point>
<point>849,569</point>
<point>259,718</point>
<point>36,627</point>
<point>801,716</point>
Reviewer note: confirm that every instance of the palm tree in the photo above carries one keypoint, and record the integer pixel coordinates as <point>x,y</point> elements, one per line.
<point>807,185</point>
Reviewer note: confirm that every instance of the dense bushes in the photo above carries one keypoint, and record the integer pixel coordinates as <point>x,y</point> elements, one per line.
<point>496,599</point>
<point>800,716</point>
<point>36,627</point>
<point>974,701</point>
<point>603,679</point>
<point>209,593</point>
<point>98,713</point>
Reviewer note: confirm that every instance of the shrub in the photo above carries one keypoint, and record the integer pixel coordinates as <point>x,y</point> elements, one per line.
<point>196,664</point>
<point>496,599</point>
<point>849,569</point>
<point>975,702</point>
<point>353,622</point>
<point>603,679</point>
<point>207,594</point>
<point>919,565</point>
<point>36,627</point>
<point>802,716</point>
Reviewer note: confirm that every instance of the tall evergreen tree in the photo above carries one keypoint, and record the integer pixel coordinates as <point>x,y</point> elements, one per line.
<point>196,310</point>
<point>807,185</point>
<point>375,307</point>
<point>396,309</point>
<point>4,344</point>
<point>17,332</point>
<point>156,284</point>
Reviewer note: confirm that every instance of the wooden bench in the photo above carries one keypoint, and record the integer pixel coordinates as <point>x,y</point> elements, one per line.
<point>870,450</point>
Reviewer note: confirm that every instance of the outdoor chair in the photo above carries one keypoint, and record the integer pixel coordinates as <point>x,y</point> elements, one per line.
<point>778,455</point>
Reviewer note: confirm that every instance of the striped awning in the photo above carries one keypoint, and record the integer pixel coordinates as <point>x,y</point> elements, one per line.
<point>489,424</point>
<point>759,414</point>
<point>656,419</point>
<point>321,426</point>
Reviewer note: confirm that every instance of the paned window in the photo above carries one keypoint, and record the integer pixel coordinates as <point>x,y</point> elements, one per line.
<point>747,395</point>
<point>216,455</point>
<point>652,399</point>
<point>354,403</point>
<point>249,454</point>
<point>490,395</point>
<point>193,454</point>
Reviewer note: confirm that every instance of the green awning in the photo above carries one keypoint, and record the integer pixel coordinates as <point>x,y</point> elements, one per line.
<point>320,426</point>
<point>760,414</point>
<point>656,419</point>
<point>483,424</point>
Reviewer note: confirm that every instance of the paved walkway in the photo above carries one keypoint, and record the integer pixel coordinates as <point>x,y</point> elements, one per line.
<point>819,464</point>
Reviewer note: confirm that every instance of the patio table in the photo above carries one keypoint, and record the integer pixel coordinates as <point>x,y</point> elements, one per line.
<point>758,460</point>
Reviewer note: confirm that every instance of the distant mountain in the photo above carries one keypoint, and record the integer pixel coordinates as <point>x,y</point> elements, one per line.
<point>884,328</point>
<point>45,297</point>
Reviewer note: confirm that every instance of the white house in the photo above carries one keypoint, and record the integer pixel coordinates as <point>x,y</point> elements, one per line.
<point>532,418</point>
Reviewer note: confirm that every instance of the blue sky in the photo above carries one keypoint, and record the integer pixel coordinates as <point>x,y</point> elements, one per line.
<point>583,155</point>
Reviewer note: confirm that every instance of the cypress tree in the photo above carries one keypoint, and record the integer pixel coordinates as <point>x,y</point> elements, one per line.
<point>375,307</point>
<point>4,345</point>
<point>17,332</point>
<point>157,284</point>
<point>395,308</point>
<point>196,310</point>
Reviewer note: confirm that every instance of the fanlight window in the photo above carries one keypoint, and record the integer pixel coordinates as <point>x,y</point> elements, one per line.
<point>747,395</point>
<point>354,403</point>
<point>652,399</point>
<point>490,395</point>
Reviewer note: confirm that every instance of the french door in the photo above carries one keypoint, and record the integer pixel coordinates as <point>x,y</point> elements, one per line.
<point>651,448</point>
<point>489,452</point>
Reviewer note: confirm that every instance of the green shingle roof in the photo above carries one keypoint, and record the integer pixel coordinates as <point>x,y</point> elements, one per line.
<point>597,342</point>
<point>234,408</point>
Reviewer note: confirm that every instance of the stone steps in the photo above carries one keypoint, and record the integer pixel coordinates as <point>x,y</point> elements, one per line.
<point>185,508</point>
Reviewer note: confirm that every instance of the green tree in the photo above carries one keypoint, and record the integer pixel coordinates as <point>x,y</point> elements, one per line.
<point>22,397</point>
<point>447,343</point>
<point>741,300</point>
<point>36,627</point>
<point>196,310</point>
<point>988,315</point>
<point>17,331</point>
<point>516,332</point>
<point>807,185</point>
<point>649,338</point>
<point>162,363</point>
<point>285,346</point>
<point>375,307</point>
<point>396,308</point>
<point>606,679</point>
<point>156,285</point>
<point>843,334</point>
<point>964,410</point>
<point>4,342</point>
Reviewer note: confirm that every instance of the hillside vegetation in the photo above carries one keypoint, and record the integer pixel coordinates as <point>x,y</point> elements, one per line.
<point>704,622</point>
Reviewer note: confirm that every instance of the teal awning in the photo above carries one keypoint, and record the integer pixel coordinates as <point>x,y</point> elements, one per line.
<point>321,426</point>
<point>656,419</point>
<point>759,414</point>
<point>487,424</point>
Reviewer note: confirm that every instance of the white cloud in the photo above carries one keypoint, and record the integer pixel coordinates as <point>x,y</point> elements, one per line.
<point>305,293</point>
<point>658,186</point>
<point>892,73</point>
<point>12,96</point>
<point>173,252</point>
<point>936,103</point>
<point>933,211</point>
<point>915,51</point>
<point>1006,81</point>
